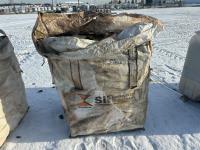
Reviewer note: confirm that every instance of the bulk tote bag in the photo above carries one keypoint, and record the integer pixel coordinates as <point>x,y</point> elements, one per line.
<point>13,105</point>
<point>100,65</point>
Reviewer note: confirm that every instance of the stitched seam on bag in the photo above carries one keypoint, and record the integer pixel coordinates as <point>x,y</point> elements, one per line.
<point>130,64</point>
<point>136,52</point>
<point>80,82</point>
<point>71,72</point>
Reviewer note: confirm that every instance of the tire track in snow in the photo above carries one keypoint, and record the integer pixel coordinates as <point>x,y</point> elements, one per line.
<point>171,55</point>
<point>166,71</point>
<point>156,78</point>
<point>24,57</point>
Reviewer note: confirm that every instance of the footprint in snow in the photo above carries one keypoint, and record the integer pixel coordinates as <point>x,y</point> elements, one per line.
<point>80,146</point>
<point>129,145</point>
<point>103,145</point>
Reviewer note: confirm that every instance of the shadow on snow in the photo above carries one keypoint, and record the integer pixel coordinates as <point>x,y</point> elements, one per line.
<point>167,115</point>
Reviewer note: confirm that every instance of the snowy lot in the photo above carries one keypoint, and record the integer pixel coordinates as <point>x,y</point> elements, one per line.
<point>171,124</point>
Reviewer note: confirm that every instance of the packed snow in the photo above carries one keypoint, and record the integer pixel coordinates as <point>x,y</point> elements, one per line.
<point>171,123</point>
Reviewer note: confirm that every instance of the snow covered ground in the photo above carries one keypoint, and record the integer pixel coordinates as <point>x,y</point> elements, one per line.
<point>171,123</point>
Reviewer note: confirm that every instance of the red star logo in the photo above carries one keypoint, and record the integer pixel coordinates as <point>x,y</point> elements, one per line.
<point>84,103</point>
